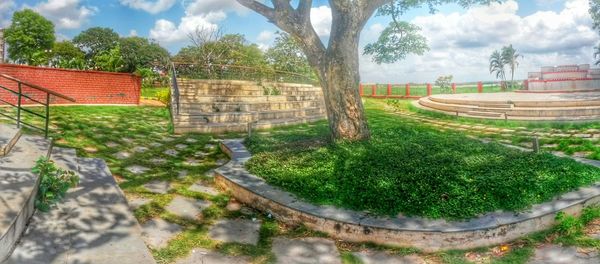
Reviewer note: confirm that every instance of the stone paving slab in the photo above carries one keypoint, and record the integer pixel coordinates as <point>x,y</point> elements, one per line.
<point>554,254</point>
<point>204,256</point>
<point>157,232</point>
<point>200,187</point>
<point>187,207</point>
<point>385,258</point>
<point>137,202</point>
<point>238,230</point>
<point>137,169</point>
<point>161,187</point>
<point>305,251</point>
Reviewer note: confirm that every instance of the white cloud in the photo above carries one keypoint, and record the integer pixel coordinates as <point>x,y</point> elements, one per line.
<point>133,33</point>
<point>265,39</point>
<point>6,9</point>
<point>150,6</point>
<point>208,6</point>
<point>321,20</point>
<point>68,14</point>
<point>462,42</point>
<point>165,31</point>
<point>198,14</point>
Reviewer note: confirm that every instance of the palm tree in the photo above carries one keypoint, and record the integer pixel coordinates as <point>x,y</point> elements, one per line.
<point>497,66</point>
<point>510,57</point>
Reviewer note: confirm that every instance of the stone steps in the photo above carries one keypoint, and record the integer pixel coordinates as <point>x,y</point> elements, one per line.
<point>215,107</point>
<point>243,117</point>
<point>93,223</point>
<point>227,127</point>
<point>18,188</point>
<point>245,99</point>
<point>516,111</point>
<point>209,106</point>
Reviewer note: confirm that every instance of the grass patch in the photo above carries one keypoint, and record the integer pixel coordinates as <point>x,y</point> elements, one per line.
<point>411,169</point>
<point>150,93</point>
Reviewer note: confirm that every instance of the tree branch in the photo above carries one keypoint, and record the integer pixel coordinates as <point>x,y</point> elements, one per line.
<point>258,7</point>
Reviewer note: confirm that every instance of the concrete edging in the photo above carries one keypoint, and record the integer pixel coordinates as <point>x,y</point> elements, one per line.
<point>425,234</point>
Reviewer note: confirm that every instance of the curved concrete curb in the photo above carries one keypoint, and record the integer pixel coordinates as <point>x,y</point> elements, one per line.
<point>425,234</point>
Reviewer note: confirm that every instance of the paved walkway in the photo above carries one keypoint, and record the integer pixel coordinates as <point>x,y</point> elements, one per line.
<point>93,224</point>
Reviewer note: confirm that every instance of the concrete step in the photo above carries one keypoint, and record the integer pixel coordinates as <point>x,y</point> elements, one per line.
<point>245,99</point>
<point>242,117</point>
<point>214,107</point>
<point>220,128</point>
<point>18,189</point>
<point>579,102</point>
<point>93,224</point>
<point>8,138</point>
<point>485,114</point>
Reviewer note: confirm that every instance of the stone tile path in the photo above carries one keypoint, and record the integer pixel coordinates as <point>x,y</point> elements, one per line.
<point>554,254</point>
<point>161,187</point>
<point>203,256</point>
<point>239,231</point>
<point>385,258</point>
<point>187,207</point>
<point>305,251</point>
<point>158,232</point>
<point>200,187</point>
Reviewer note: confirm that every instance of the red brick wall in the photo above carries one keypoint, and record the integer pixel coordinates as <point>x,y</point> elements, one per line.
<point>86,87</point>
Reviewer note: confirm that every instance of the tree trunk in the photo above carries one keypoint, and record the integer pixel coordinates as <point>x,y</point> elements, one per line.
<point>339,77</point>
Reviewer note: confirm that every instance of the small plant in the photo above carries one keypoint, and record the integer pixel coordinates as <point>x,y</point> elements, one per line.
<point>568,225</point>
<point>271,90</point>
<point>444,82</point>
<point>164,96</point>
<point>54,184</point>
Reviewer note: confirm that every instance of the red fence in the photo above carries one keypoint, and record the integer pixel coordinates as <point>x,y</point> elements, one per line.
<point>414,90</point>
<point>86,87</point>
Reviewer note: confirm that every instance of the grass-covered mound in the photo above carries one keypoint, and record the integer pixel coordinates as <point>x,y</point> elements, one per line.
<point>411,169</point>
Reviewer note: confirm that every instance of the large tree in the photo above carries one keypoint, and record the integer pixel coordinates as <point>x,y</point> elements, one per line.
<point>96,40</point>
<point>337,63</point>
<point>30,37</point>
<point>497,67</point>
<point>595,13</point>
<point>138,52</point>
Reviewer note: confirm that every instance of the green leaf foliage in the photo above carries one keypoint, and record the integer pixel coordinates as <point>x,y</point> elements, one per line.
<point>412,169</point>
<point>397,40</point>
<point>54,183</point>
<point>96,40</point>
<point>286,55</point>
<point>138,52</point>
<point>30,38</point>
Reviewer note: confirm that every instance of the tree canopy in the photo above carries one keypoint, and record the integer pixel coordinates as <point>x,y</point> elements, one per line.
<point>30,37</point>
<point>138,52</point>
<point>286,55</point>
<point>96,40</point>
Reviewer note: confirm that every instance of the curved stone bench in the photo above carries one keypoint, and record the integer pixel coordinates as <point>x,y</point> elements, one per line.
<point>425,234</point>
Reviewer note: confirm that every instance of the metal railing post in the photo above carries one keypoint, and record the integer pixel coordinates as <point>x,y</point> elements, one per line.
<point>47,114</point>
<point>19,105</point>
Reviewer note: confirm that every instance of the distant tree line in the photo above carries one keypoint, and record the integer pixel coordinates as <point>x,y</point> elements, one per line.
<point>32,41</point>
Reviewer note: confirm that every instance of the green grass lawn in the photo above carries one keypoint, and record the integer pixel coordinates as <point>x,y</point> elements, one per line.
<point>151,92</point>
<point>411,169</point>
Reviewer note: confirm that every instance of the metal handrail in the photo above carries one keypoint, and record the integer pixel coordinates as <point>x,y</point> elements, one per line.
<point>19,105</point>
<point>175,95</point>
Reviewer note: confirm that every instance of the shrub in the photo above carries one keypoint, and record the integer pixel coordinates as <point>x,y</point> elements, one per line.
<point>164,96</point>
<point>54,184</point>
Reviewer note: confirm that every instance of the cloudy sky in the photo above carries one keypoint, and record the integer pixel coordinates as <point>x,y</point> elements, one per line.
<point>545,32</point>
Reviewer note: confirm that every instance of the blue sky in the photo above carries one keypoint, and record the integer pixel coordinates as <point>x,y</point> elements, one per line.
<point>545,31</point>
